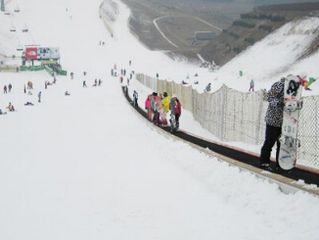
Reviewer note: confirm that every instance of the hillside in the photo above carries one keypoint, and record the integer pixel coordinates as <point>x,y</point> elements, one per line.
<point>254,26</point>
<point>170,25</point>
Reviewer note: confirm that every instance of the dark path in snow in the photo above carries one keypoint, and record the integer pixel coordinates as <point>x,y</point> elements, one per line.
<point>236,154</point>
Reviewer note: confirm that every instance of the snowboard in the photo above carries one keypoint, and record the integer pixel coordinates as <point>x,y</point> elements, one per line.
<point>173,124</point>
<point>289,136</point>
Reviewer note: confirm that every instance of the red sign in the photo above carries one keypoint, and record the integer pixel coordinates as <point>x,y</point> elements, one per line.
<point>31,53</point>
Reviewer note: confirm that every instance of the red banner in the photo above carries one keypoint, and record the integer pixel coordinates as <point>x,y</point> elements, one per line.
<point>31,53</point>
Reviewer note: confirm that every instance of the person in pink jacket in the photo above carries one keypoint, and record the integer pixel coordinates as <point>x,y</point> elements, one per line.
<point>148,107</point>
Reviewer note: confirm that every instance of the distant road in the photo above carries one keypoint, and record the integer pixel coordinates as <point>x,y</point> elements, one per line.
<point>207,23</point>
<point>172,43</point>
<point>160,31</point>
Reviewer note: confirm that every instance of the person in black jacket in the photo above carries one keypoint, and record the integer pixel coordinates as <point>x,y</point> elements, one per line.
<point>273,119</point>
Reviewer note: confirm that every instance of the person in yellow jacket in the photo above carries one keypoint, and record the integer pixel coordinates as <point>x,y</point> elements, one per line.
<point>165,102</point>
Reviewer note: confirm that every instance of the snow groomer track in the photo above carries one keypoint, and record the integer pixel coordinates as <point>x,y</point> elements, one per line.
<point>292,181</point>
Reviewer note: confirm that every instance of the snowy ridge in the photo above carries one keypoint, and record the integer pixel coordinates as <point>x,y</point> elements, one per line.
<point>275,56</point>
<point>284,47</point>
<point>110,9</point>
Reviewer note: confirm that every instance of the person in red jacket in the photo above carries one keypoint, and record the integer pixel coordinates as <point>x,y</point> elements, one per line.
<point>178,111</point>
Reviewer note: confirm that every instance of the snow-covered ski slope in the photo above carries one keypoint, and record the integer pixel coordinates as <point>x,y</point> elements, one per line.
<point>275,56</point>
<point>86,167</point>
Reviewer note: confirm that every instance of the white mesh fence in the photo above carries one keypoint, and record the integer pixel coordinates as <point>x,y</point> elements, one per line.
<point>308,134</point>
<point>238,116</point>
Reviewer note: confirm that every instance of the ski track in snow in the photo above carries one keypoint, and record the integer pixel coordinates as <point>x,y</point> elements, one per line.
<point>87,167</point>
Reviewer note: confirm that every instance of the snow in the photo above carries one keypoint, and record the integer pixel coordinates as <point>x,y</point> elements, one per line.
<point>86,166</point>
<point>273,57</point>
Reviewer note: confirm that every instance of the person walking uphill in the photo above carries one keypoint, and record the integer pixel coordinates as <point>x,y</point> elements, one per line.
<point>39,96</point>
<point>273,119</point>
<point>251,85</point>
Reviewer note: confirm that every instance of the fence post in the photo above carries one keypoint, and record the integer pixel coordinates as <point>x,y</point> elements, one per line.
<point>260,109</point>
<point>223,112</point>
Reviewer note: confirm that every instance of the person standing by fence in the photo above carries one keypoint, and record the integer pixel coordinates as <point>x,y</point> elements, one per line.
<point>135,99</point>
<point>148,107</point>
<point>273,119</point>
<point>251,85</point>
<point>165,102</point>
<point>176,110</point>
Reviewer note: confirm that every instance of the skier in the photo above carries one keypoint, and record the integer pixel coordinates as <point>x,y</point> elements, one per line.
<point>84,83</point>
<point>10,87</point>
<point>273,119</point>
<point>135,98</point>
<point>100,82</point>
<point>39,96</point>
<point>5,89</point>
<point>95,83</point>
<point>251,86</point>
<point>66,93</point>
<point>71,75</point>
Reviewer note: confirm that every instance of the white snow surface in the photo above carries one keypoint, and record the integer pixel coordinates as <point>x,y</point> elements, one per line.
<point>86,166</point>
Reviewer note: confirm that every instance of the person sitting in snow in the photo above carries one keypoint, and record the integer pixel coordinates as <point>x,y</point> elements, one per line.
<point>95,83</point>
<point>28,104</point>
<point>10,107</point>
<point>1,113</point>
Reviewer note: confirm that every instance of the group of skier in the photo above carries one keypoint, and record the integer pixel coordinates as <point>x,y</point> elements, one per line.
<point>97,82</point>
<point>7,89</point>
<point>158,106</point>
<point>27,89</point>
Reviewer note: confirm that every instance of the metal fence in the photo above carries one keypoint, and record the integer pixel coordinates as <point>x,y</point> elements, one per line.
<point>232,115</point>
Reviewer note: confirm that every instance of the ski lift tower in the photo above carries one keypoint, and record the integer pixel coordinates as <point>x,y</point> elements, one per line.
<point>2,6</point>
